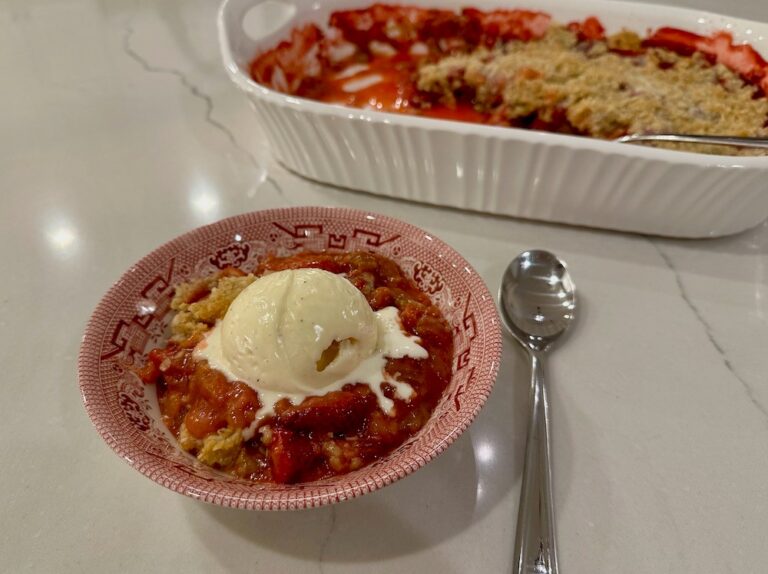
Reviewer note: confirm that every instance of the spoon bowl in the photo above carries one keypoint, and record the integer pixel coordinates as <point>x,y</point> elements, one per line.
<point>538,302</point>
<point>537,298</point>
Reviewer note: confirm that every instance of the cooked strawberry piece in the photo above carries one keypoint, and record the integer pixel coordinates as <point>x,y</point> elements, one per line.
<point>742,59</point>
<point>433,329</point>
<point>291,62</point>
<point>402,26</point>
<point>444,25</point>
<point>506,25</point>
<point>365,281</point>
<point>380,298</point>
<point>337,411</point>
<point>305,260</point>
<point>410,314</point>
<point>150,372</point>
<point>291,453</point>
<point>242,404</point>
<point>204,418</point>
<point>678,41</point>
<point>399,26</point>
<point>590,29</point>
<point>210,384</point>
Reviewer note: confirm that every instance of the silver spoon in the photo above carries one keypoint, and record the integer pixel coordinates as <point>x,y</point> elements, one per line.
<point>760,143</point>
<point>538,302</point>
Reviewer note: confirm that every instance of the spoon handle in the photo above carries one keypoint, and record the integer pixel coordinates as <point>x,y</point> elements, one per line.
<point>535,551</point>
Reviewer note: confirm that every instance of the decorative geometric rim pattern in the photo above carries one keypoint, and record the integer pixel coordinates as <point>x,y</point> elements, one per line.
<point>133,315</point>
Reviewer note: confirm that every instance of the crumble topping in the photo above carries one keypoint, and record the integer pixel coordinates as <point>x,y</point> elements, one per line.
<point>599,92</point>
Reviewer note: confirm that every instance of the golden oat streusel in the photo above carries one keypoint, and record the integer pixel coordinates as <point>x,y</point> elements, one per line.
<point>200,303</point>
<point>602,93</point>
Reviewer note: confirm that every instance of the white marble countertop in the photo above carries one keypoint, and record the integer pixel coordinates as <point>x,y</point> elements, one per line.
<point>119,130</point>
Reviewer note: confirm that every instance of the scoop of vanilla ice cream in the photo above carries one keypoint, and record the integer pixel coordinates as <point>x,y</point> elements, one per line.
<point>294,331</point>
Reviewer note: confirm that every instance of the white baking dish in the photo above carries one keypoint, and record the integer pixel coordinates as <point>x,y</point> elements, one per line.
<point>507,171</point>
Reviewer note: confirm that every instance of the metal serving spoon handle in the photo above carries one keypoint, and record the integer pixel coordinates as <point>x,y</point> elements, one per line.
<point>761,143</point>
<point>535,547</point>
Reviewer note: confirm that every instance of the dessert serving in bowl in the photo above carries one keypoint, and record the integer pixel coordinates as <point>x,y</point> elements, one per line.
<point>370,98</point>
<point>290,358</point>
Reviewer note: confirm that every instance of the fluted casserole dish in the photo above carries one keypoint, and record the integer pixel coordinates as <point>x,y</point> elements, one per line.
<point>501,170</point>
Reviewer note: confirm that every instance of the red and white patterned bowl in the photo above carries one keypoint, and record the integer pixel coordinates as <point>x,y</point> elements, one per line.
<point>134,315</point>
